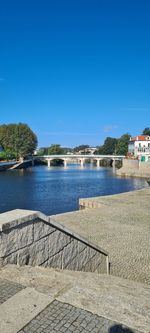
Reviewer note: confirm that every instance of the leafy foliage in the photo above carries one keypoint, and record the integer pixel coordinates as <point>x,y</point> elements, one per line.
<point>18,139</point>
<point>122,145</point>
<point>81,147</point>
<point>108,147</point>
<point>42,151</point>
<point>114,146</point>
<point>7,155</point>
<point>146,131</point>
<point>55,149</point>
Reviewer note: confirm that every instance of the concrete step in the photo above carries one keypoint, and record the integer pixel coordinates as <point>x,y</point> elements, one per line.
<point>21,308</point>
<point>111,297</point>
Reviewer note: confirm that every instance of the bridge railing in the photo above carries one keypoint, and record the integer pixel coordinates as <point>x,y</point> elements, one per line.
<point>81,156</point>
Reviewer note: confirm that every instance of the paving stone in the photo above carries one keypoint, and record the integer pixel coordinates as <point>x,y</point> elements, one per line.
<point>8,289</point>
<point>120,225</point>
<point>75,320</point>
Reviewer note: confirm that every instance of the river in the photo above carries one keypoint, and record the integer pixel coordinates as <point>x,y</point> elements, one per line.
<point>56,190</point>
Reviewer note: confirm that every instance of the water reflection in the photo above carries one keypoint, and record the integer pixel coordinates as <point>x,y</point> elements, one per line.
<point>58,189</point>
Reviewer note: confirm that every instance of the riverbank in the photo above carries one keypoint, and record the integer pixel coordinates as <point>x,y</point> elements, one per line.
<point>6,165</point>
<point>16,165</point>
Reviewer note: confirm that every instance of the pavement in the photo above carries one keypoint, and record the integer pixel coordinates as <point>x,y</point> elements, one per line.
<point>120,224</point>
<point>43,300</point>
<point>46,300</point>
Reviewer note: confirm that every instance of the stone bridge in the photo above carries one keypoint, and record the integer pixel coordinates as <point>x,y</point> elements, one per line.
<point>80,159</point>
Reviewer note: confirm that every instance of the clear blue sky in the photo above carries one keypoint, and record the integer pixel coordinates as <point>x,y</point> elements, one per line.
<point>76,71</point>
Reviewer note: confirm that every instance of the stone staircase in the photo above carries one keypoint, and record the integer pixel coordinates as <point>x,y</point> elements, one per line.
<point>37,299</point>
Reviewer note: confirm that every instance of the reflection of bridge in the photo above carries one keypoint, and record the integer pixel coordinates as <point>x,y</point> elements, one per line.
<point>81,159</point>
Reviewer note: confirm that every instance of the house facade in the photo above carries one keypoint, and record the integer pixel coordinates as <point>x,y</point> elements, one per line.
<point>139,146</point>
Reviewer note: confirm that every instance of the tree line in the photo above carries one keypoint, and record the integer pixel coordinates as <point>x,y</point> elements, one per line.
<point>56,149</point>
<point>114,146</point>
<point>118,146</point>
<point>18,140</point>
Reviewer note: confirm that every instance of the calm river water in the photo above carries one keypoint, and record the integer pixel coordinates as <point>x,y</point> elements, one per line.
<point>57,190</point>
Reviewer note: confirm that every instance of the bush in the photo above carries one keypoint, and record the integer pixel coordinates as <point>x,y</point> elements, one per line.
<point>7,155</point>
<point>2,156</point>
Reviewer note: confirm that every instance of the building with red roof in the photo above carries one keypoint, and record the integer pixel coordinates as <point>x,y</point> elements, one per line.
<point>139,146</point>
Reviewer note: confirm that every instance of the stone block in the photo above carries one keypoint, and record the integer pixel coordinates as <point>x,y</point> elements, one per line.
<point>57,241</point>
<point>73,265</point>
<point>35,254</point>
<point>81,246</point>
<point>96,264</point>
<point>11,259</point>
<point>16,238</point>
<point>41,229</point>
<point>84,257</point>
<point>55,261</point>
<point>69,253</point>
<point>102,268</point>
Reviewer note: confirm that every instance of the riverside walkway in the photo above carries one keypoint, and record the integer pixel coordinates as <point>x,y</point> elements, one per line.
<point>48,300</point>
<point>43,300</point>
<point>121,225</point>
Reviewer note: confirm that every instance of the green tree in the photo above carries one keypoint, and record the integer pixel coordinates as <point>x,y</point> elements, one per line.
<point>146,131</point>
<point>18,139</point>
<point>122,145</point>
<point>110,145</point>
<point>99,150</point>
<point>81,147</point>
<point>108,148</point>
<point>42,151</point>
<point>67,150</point>
<point>55,149</point>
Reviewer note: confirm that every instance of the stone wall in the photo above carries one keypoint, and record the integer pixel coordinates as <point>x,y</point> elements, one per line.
<point>130,164</point>
<point>144,166</point>
<point>31,238</point>
<point>134,168</point>
<point>5,166</point>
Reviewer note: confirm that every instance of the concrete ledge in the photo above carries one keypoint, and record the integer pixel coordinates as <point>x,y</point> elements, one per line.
<point>15,217</point>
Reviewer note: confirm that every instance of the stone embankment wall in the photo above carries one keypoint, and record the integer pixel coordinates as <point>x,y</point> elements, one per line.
<point>134,168</point>
<point>15,165</point>
<point>31,238</point>
<point>5,166</point>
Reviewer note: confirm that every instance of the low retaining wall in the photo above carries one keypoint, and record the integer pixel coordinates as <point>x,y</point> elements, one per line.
<point>5,166</point>
<point>130,164</point>
<point>144,166</point>
<point>134,168</point>
<point>31,238</point>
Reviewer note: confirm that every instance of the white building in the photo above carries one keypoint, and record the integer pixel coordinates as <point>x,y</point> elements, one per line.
<point>139,146</point>
<point>89,150</point>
